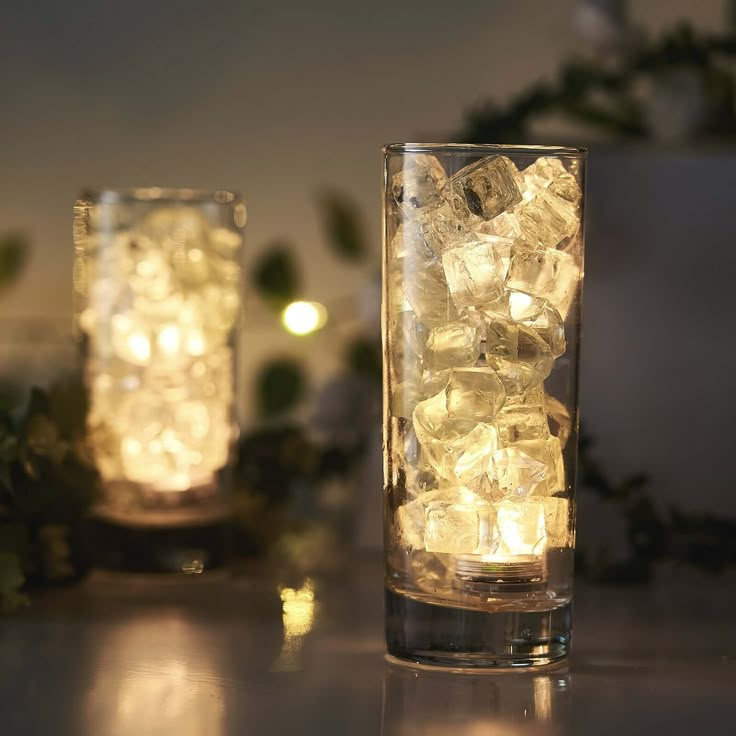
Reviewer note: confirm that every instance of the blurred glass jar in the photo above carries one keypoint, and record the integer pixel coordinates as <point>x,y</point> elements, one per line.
<point>157,286</point>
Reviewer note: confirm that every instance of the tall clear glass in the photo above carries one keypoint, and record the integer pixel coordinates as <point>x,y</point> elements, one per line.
<point>157,284</point>
<point>483,267</point>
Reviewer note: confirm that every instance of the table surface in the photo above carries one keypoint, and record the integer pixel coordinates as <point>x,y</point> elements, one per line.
<point>222,654</point>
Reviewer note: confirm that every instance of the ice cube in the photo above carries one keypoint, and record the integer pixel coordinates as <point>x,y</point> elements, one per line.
<point>519,356</point>
<point>405,338</point>
<point>425,290</point>
<point>472,455</point>
<point>474,394</point>
<point>404,396</point>
<point>225,241</point>
<point>431,572</point>
<point>443,228</point>
<point>474,271</point>
<point>548,451</point>
<point>420,183</point>
<point>459,527</point>
<point>411,519</point>
<point>486,188</point>
<point>516,306</point>
<point>547,274</point>
<point>410,241</point>
<point>454,344</point>
<point>455,449</point>
<point>557,522</point>
<point>550,173</point>
<point>171,227</point>
<point>561,419</point>
<point>152,276</point>
<point>193,265</point>
<point>546,219</point>
<point>501,337</point>
<point>515,474</point>
<point>400,334</point>
<point>520,527</point>
<point>131,338</point>
<point>550,327</point>
<point>523,417</point>
<point>434,380</point>
<point>505,225</point>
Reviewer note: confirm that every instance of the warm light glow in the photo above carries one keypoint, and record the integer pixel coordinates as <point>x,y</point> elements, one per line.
<point>521,528</point>
<point>301,318</point>
<point>140,346</point>
<point>297,613</point>
<point>169,339</point>
<point>195,343</point>
<point>519,303</point>
<point>174,684</point>
<point>159,326</point>
<point>542,698</point>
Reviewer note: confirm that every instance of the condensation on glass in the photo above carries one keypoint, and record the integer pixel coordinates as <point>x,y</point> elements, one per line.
<point>157,285</point>
<point>483,267</point>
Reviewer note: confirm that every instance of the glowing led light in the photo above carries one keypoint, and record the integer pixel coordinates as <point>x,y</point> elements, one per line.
<point>139,346</point>
<point>131,446</point>
<point>195,343</point>
<point>163,296</point>
<point>519,302</point>
<point>521,527</point>
<point>301,318</point>
<point>169,340</point>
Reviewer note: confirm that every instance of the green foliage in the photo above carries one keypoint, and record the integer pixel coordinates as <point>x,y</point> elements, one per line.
<point>275,275</point>
<point>47,486</point>
<point>363,356</point>
<point>343,227</point>
<point>702,540</point>
<point>13,255</point>
<point>280,386</point>
<point>11,582</point>
<point>606,98</point>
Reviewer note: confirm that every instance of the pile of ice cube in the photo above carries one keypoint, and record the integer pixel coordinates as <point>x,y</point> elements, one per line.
<point>482,271</point>
<point>162,297</point>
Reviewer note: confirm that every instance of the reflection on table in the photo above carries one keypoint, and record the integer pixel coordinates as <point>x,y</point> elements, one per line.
<point>436,702</point>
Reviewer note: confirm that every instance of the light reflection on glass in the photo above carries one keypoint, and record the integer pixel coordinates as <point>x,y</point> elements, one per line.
<point>543,698</point>
<point>297,614</point>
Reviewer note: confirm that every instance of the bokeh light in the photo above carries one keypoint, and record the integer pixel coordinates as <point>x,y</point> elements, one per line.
<point>303,318</point>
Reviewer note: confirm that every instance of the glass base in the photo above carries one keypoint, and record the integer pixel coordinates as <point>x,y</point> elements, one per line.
<point>429,634</point>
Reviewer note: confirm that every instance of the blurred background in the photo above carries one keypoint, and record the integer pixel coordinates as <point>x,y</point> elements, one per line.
<point>290,104</point>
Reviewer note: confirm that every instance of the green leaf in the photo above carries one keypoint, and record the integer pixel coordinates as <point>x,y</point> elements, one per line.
<point>8,450</point>
<point>280,385</point>
<point>363,356</point>
<point>67,406</point>
<point>13,256</point>
<point>343,226</point>
<point>11,581</point>
<point>275,275</point>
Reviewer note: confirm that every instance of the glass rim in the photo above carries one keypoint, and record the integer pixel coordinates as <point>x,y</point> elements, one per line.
<point>124,195</point>
<point>485,149</point>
